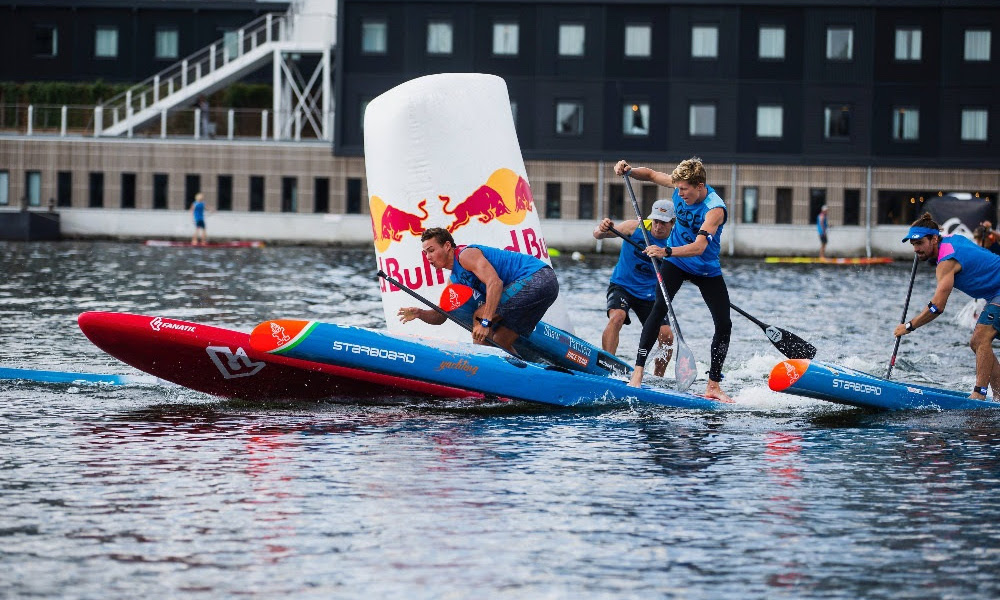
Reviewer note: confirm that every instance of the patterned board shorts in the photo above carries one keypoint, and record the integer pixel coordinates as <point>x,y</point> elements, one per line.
<point>990,316</point>
<point>533,296</point>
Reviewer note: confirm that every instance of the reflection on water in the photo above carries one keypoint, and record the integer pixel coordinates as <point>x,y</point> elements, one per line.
<point>158,491</point>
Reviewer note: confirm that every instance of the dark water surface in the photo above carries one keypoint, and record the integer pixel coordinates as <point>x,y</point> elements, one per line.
<point>155,491</point>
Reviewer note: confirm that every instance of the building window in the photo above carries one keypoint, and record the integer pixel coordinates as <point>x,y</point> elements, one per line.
<point>569,118</point>
<point>839,43</point>
<point>705,41</point>
<point>96,190</point>
<point>439,37</point>
<point>783,206</point>
<point>33,187</point>
<point>505,39</point>
<point>374,37</point>
<point>772,42</point>
<point>905,123</point>
<point>750,204</point>
<point>230,45</point>
<point>224,192</point>
<point>638,41</point>
<point>46,40</point>
<point>192,186</point>
<point>256,193</point>
<point>64,188</point>
<point>769,121</point>
<point>289,194</point>
<point>817,200</point>
<point>635,118</point>
<point>513,112</point>
<point>571,39</point>
<point>585,202</point>
<point>106,42</point>
<point>321,195</point>
<point>908,44</point>
<point>160,183</point>
<point>701,120</point>
<point>166,43</point>
<point>974,122</point>
<point>4,188</point>
<point>128,190</point>
<point>553,200</point>
<point>977,44</point>
<point>852,207</point>
<point>616,201</point>
<point>353,206</point>
<point>837,122</point>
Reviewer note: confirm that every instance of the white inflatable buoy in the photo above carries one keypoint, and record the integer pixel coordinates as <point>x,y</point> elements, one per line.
<point>442,151</point>
<point>577,256</point>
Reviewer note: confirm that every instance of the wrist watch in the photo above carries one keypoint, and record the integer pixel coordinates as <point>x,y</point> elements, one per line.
<point>485,322</point>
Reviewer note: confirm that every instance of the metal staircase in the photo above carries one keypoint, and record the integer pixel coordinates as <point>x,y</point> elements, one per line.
<point>308,27</point>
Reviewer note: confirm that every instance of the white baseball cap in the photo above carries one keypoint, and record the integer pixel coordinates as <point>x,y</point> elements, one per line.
<point>663,210</point>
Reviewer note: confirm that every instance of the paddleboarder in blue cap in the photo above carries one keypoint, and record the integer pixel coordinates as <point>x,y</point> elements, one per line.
<point>963,265</point>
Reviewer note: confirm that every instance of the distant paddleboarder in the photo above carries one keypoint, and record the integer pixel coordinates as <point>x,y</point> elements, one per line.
<point>822,227</point>
<point>962,265</point>
<point>530,285</point>
<point>198,210</point>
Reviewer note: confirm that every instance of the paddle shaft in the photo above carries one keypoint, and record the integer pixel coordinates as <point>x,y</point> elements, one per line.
<point>439,310</point>
<point>906,307</point>
<point>789,344</point>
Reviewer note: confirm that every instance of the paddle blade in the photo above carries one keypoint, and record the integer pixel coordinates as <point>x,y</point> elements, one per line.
<point>788,343</point>
<point>685,369</point>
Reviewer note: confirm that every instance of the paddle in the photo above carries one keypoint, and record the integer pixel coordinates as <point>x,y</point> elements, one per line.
<point>440,310</point>
<point>685,370</point>
<point>906,306</point>
<point>789,344</point>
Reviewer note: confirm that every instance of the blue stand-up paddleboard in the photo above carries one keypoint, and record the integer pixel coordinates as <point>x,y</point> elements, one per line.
<point>842,385</point>
<point>478,368</point>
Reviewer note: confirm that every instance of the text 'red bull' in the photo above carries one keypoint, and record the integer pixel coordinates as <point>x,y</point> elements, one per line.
<point>413,277</point>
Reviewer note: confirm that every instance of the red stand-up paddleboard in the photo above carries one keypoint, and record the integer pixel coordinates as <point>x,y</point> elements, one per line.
<point>221,362</point>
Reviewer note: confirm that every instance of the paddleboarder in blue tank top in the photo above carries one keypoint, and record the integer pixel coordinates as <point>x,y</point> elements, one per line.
<point>691,254</point>
<point>529,284</point>
<point>198,210</point>
<point>633,281</point>
<point>962,265</point>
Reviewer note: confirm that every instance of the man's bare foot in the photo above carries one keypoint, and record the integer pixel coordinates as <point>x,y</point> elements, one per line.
<point>712,390</point>
<point>636,380</point>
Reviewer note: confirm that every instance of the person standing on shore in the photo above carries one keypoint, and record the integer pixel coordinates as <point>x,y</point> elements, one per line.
<point>633,281</point>
<point>198,210</point>
<point>822,227</point>
<point>691,254</point>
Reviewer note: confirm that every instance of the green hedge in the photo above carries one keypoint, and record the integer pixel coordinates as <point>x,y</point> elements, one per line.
<point>58,93</point>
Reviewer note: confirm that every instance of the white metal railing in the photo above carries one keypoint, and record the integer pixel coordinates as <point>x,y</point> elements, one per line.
<point>270,27</point>
<point>44,120</point>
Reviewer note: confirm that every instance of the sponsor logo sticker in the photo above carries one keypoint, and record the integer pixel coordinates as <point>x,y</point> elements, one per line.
<point>158,323</point>
<point>233,364</point>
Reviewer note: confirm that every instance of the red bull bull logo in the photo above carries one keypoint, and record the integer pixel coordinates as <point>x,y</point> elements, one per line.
<point>506,196</point>
<point>389,223</point>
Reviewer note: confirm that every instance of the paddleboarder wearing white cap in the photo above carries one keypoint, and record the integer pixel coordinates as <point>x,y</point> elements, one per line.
<point>633,281</point>
<point>962,265</point>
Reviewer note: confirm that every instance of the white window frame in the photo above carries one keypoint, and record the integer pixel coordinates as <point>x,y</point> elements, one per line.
<point>565,110</point>
<point>908,44</point>
<point>374,36</point>
<point>506,38</point>
<point>54,49</point>
<point>106,41</point>
<point>975,124</point>
<point>33,187</point>
<point>977,45</point>
<point>629,111</point>
<point>831,50</point>
<point>705,41</point>
<point>4,187</point>
<point>770,121</point>
<point>905,123</point>
<point>638,40</point>
<point>230,44</point>
<point>572,39</point>
<point>440,37</point>
<point>828,111</point>
<point>167,47</point>
<point>698,112</point>
<point>771,42</point>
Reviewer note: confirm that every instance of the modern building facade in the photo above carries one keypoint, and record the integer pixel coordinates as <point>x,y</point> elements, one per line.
<point>868,107</point>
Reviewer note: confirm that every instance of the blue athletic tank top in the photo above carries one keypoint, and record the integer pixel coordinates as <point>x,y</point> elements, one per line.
<point>690,218</point>
<point>199,211</point>
<point>510,266</point>
<point>634,271</point>
<point>980,274</point>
